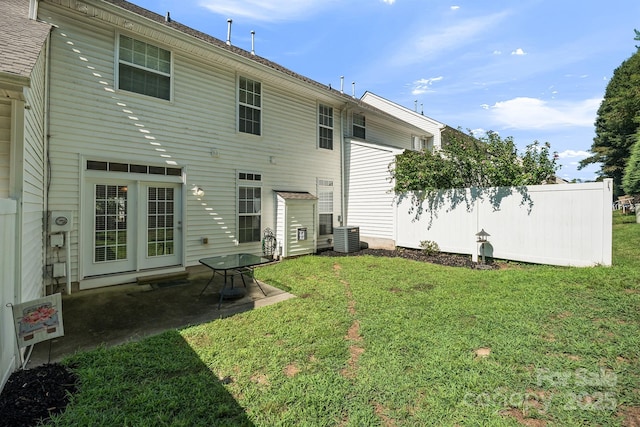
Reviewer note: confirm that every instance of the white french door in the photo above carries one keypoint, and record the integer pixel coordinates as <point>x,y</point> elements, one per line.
<point>131,226</point>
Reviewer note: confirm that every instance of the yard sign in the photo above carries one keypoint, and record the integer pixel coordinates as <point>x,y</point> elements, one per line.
<point>38,320</point>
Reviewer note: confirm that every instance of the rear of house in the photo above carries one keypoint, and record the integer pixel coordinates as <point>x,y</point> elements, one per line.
<point>132,145</point>
<point>163,138</point>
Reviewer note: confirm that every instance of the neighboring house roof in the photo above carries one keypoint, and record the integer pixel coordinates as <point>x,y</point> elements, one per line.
<point>419,120</point>
<point>21,38</point>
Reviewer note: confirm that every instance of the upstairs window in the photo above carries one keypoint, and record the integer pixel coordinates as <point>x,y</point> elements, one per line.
<point>144,68</point>
<point>358,126</point>
<point>325,127</point>
<point>420,143</point>
<point>250,106</point>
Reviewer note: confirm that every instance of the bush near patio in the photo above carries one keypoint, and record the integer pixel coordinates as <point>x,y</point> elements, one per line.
<point>388,341</point>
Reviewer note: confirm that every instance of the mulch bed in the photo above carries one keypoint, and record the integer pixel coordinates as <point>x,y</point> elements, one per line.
<point>31,396</point>
<point>441,258</point>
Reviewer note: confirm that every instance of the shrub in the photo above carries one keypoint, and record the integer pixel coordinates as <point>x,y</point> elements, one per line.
<point>429,247</point>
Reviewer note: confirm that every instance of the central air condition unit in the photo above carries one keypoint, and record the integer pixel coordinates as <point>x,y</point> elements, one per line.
<point>346,239</point>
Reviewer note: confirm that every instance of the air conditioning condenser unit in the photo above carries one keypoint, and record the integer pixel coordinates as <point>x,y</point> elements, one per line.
<point>346,239</point>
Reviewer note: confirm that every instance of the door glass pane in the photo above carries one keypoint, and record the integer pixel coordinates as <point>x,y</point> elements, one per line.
<point>160,221</point>
<point>110,223</point>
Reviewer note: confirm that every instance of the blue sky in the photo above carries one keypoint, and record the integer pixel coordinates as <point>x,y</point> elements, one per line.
<point>530,69</point>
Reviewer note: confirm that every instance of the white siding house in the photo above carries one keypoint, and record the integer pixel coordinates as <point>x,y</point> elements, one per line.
<point>142,145</point>
<point>22,167</point>
<point>370,201</point>
<point>162,136</point>
<point>430,133</point>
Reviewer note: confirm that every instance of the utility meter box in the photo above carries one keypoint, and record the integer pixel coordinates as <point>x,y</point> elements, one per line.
<point>60,221</point>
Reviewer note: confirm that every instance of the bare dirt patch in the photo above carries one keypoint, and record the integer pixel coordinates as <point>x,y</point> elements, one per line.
<point>291,370</point>
<point>522,418</point>
<point>630,416</point>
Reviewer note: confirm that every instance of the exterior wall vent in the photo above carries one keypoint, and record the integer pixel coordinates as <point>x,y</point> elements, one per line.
<point>346,239</point>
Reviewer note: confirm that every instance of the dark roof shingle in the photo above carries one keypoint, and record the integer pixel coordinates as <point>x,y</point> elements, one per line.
<point>21,38</point>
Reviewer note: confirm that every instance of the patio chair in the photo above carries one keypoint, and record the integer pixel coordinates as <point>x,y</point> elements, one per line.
<point>625,203</point>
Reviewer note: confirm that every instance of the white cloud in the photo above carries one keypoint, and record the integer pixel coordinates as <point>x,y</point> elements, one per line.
<point>455,7</point>
<point>479,132</point>
<point>533,113</point>
<point>570,154</point>
<point>389,1</point>
<point>268,10</point>
<point>497,52</point>
<point>445,39</point>
<point>518,52</point>
<point>424,85</point>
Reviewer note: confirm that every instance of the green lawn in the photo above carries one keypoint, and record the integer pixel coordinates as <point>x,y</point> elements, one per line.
<point>375,341</point>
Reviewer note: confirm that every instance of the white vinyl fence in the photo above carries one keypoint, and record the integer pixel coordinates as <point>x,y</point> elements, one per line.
<point>7,288</point>
<point>563,224</point>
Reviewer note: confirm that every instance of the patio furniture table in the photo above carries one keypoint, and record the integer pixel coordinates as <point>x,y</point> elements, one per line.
<point>229,266</point>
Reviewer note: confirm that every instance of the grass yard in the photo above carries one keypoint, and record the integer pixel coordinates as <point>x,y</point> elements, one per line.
<point>392,342</point>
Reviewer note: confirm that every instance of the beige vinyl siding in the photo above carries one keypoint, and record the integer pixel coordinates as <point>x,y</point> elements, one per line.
<point>5,147</point>
<point>424,123</point>
<point>91,119</point>
<point>33,181</point>
<point>370,204</point>
<point>386,133</point>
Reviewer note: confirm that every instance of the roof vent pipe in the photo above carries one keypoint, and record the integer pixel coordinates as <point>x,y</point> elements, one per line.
<point>229,21</point>
<point>167,18</point>
<point>253,37</point>
<point>415,106</point>
<point>341,84</point>
<point>353,89</point>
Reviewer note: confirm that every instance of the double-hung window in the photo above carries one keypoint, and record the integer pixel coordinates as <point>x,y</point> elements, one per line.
<point>325,206</point>
<point>249,206</point>
<point>420,143</point>
<point>249,106</point>
<point>417,143</point>
<point>325,127</point>
<point>358,126</point>
<point>144,68</point>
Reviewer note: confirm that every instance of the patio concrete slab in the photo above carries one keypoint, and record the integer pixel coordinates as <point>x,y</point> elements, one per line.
<point>118,314</point>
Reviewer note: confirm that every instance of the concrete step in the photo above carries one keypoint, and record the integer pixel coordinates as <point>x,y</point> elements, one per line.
<point>150,280</point>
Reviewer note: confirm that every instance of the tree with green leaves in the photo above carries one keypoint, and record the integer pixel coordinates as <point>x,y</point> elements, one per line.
<point>486,164</point>
<point>631,178</point>
<point>465,161</point>
<point>617,121</point>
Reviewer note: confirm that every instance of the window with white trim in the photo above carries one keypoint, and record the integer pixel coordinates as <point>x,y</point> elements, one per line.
<point>420,143</point>
<point>358,126</point>
<point>325,127</point>
<point>144,68</point>
<point>417,143</point>
<point>325,206</point>
<point>249,206</point>
<point>249,106</point>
